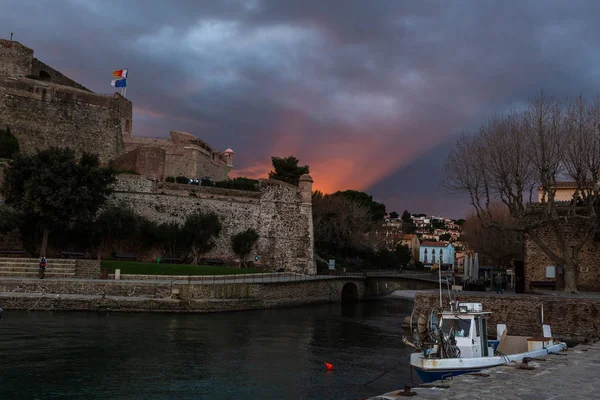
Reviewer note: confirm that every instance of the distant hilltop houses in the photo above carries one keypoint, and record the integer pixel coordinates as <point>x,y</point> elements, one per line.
<point>432,239</point>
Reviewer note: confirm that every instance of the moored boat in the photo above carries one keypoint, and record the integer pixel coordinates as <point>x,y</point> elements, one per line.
<point>456,342</point>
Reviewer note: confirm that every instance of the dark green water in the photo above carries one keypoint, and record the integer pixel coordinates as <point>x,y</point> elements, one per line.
<point>267,354</point>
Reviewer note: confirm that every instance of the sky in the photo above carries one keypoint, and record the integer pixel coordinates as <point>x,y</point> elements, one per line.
<point>370,94</point>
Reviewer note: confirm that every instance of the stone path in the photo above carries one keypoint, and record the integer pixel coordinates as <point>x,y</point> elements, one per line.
<point>573,375</point>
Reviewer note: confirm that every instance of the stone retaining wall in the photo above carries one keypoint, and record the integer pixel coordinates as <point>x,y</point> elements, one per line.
<point>73,295</point>
<point>87,268</point>
<point>570,318</point>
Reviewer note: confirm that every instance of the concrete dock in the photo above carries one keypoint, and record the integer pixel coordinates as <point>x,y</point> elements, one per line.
<point>570,375</point>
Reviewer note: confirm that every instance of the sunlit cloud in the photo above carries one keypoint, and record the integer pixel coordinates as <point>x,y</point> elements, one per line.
<point>368,94</point>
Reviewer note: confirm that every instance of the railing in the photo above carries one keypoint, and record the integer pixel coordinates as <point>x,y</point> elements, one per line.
<point>275,277</point>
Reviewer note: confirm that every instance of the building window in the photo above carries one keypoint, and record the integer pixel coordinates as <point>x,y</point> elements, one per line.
<point>127,126</point>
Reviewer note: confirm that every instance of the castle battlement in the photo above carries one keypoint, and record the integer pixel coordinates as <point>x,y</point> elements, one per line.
<point>49,91</point>
<point>45,108</point>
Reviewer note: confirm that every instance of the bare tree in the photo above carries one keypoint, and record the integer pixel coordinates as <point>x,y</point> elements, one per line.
<point>501,246</point>
<point>341,223</point>
<point>512,156</point>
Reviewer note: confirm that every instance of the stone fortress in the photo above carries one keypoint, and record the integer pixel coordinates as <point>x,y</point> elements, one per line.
<point>44,108</point>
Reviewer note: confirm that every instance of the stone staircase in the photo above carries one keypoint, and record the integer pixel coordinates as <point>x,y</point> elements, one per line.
<point>29,268</point>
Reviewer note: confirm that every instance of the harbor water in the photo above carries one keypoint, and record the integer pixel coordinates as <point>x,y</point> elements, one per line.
<point>265,354</point>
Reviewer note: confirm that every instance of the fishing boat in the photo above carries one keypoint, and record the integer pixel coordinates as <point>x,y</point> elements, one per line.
<point>455,342</point>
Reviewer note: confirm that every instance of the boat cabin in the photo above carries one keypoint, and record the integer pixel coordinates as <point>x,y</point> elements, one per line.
<point>467,326</point>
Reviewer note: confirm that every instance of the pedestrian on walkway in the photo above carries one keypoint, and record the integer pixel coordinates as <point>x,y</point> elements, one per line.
<point>499,280</point>
<point>42,267</point>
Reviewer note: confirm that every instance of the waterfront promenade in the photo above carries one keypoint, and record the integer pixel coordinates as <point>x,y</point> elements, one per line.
<point>571,375</point>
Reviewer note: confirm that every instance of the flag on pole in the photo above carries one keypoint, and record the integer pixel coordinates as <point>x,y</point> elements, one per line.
<point>120,73</point>
<point>119,83</point>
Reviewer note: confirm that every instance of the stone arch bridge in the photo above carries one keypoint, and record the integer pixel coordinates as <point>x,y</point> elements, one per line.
<point>201,294</point>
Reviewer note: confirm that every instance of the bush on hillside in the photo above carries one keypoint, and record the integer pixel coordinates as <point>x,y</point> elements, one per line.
<point>238,184</point>
<point>9,146</point>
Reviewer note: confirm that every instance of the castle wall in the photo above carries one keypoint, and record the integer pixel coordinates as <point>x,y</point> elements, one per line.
<point>588,271</point>
<point>282,220</point>
<point>183,158</point>
<point>39,69</point>
<point>15,59</point>
<point>148,161</point>
<point>43,114</point>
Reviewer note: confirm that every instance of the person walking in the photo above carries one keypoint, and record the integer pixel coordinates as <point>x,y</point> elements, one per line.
<point>499,281</point>
<point>43,267</point>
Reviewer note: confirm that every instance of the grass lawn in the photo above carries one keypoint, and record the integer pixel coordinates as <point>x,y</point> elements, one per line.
<point>141,268</point>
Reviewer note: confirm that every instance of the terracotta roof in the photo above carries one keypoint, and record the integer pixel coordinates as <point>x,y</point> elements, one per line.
<point>408,236</point>
<point>434,244</point>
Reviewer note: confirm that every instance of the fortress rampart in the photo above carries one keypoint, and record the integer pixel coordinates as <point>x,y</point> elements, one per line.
<point>281,214</point>
<point>43,114</point>
<point>45,108</point>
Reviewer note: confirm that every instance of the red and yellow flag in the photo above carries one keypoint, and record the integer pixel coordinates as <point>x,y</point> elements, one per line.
<point>120,73</point>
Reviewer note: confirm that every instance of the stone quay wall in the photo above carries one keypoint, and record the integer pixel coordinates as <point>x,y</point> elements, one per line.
<point>570,318</point>
<point>279,212</point>
<point>588,269</point>
<point>87,269</point>
<point>98,295</point>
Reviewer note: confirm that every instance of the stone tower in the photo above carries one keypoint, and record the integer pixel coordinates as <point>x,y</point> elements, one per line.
<point>305,185</point>
<point>228,154</point>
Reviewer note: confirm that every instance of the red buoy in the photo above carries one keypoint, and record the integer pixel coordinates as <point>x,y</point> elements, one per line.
<point>329,366</point>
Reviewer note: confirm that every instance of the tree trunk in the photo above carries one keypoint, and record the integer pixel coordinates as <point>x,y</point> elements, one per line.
<point>570,277</point>
<point>44,241</point>
<point>195,253</point>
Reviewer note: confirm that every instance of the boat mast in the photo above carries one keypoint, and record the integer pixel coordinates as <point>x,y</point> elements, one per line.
<point>440,282</point>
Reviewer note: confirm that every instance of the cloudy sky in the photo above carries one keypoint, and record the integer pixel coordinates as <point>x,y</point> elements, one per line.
<point>370,94</point>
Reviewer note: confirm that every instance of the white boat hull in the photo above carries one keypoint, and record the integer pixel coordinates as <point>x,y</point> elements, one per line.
<point>431,369</point>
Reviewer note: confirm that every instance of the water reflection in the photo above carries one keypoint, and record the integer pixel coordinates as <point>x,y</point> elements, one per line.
<point>268,354</point>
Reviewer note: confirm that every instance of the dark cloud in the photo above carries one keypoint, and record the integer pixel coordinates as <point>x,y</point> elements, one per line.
<point>361,91</point>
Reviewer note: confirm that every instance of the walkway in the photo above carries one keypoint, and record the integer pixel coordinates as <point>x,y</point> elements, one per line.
<point>572,375</point>
<point>273,277</point>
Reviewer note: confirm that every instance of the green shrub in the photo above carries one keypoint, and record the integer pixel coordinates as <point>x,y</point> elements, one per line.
<point>206,181</point>
<point>242,244</point>
<point>9,146</point>
<point>170,179</point>
<point>239,184</point>
<point>182,179</point>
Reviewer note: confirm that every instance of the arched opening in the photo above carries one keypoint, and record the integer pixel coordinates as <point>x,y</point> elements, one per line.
<point>44,76</point>
<point>127,127</point>
<point>350,293</point>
